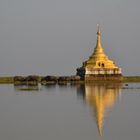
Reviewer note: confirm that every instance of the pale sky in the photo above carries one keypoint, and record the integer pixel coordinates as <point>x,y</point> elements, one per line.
<point>54,37</point>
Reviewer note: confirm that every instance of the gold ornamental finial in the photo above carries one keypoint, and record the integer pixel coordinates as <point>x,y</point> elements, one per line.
<point>98,29</point>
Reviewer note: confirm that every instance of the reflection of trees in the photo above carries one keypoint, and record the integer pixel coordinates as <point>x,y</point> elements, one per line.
<point>100,97</point>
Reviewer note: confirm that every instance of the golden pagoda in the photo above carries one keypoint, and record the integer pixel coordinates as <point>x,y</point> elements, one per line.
<point>99,66</point>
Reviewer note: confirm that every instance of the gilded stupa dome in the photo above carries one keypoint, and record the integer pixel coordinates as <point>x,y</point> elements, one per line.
<point>99,59</point>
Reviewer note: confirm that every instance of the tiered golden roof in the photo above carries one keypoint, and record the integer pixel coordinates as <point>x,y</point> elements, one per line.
<point>99,59</point>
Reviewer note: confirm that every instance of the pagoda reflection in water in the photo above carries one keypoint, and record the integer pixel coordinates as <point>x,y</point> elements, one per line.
<point>100,97</point>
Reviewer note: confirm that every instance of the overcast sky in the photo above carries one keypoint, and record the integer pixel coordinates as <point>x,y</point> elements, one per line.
<point>54,37</point>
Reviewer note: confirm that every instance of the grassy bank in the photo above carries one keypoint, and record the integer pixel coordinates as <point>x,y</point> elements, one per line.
<point>6,80</point>
<point>131,79</point>
<point>9,80</point>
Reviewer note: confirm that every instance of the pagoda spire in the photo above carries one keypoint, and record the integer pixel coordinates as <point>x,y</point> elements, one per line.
<point>98,44</point>
<point>98,51</point>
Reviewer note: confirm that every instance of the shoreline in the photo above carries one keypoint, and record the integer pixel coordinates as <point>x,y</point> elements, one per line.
<point>10,80</point>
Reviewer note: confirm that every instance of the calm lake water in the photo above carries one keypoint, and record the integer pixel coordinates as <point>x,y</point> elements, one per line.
<point>78,112</point>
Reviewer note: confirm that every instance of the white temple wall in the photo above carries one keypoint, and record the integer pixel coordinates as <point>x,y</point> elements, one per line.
<point>96,72</point>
